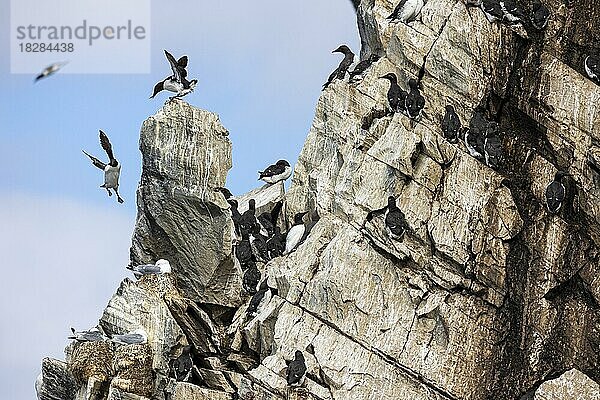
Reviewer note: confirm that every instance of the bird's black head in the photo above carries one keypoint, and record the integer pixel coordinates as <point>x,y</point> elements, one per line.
<point>449,108</point>
<point>252,205</point>
<point>226,193</point>
<point>298,217</point>
<point>113,163</point>
<point>233,203</point>
<point>390,77</point>
<point>374,57</point>
<point>158,88</point>
<point>299,356</point>
<point>283,162</point>
<point>559,175</point>
<point>391,202</point>
<point>342,49</point>
<point>412,83</point>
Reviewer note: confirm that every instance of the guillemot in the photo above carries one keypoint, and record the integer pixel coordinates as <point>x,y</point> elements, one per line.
<point>277,172</point>
<point>112,170</point>
<point>340,71</point>
<point>176,83</point>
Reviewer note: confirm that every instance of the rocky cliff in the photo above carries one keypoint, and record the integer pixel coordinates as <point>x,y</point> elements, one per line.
<point>489,296</point>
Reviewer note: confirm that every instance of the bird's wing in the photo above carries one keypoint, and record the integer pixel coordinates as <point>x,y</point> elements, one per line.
<point>147,269</point>
<point>273,170</point>
<point>105,143</point>
<point>182,64</point>
<point>97,163</point>
<point>174,66</point>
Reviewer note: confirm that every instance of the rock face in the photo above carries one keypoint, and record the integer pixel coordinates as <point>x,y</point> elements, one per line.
<point>489,296</point>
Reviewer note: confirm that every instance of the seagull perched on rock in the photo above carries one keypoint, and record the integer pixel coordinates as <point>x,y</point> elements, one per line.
<point>406,11</point>
<point>176,83</point>
<point>340,71</point>
<point>92,335</point>
<point>50,70</point>
<point>451,125</point>
<point>395,95</point>
<point>362,66</point>
<point>138,336</point>
<point>540,15</point>
<point>555,193</point>
<point>592,68</point>
<point>296,371</point>
<point>414,102</point>
<point>277,172</point>
<point>295,234</point>
<point>160,267</point>
<point>112,170</point>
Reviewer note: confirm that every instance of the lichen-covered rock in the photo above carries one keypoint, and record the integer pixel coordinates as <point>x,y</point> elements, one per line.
<point>186,391</point>
<point>90,360</point>
<point>133,370</point>
<point>570,385</point>
<point>55,381</point>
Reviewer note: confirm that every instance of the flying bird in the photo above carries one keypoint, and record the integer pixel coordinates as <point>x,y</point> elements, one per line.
<point>160,267</point>
<point>92,335</point>
<point>592,68</point>
<point>50,70</point>
<point>451,125</point>
<point>277,172</point>
<point>555,193</point>
<point>340,71</point>
<point>414,102</point>
<point>112,170</point>
<point>295,234</point>
<point>296,371</point>
<point>138,336</point>
<point>178,82</point>
<point>406,11</point>
<point>362,66</point>
<point>395,95</point>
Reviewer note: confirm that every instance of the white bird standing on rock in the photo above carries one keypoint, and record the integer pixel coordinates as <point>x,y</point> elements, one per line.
<point>295,234</point>
<point>92,335</point>
<point>160,267</point>
<point>112,170</point>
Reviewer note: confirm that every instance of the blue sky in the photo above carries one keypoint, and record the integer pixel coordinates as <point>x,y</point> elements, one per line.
<point>260,66</point>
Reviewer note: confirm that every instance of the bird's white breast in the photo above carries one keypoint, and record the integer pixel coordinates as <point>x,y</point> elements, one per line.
<point>111,176</point>
<point>293,238</point>
<point>172,86</point>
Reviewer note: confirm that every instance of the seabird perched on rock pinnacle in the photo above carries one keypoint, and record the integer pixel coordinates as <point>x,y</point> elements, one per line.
<point>592,68</point>
<point>277,172</point>
<point>340,71</point>
<point>176,83</point>
<point>160,267</point>
<point>251,279</point>
<point>92,335</point>
<point>555,193</point>
<point>406,11</point>
<point>296,371</point>
<point>362,66</point>
<point>414,102</point>
<point>295,233</point>
<point>112,170</point>
<point>50,70</point>
<point>511,11</point>
<point>540,15</point>
<point>138,336</point>
<point>248,218</point>
<point>451,125</point>
<point>395,95</point>
<point>395,221</point>
<point>181,367</point>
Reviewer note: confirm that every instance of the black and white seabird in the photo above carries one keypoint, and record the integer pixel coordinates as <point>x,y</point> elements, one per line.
<point>92,335</point>
<point>540,15</point>
<point>181,367</point>
<point>268,220</point>
<point>362,66</point>
<point>276,243</point>
<point>277,172</point>
<point>406,11</point>
<point>340,71</point>
<point>555,193</point>
<point>258,297</point>
<point>492,10</point>
<point>492,147</point>
<point>313,219</point>
<point>592,68</point>
<point>225,192</point>
<point>259,244</point>
<point>475,136</point>
<point>395,95</point>
<point>248,218</point>
<point>138,336</point>
<point>50,70</point>
<point>160,267</point>
<point>295,234</point>
<point>296,371</point>
<point>451,125</point>
<point>511,12</point>
<point>112,170</point>
<point>176,83</point>
<point>243,250</point>
<point>414,102</point>
<point>251,279</point>
<point>395,221</point>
